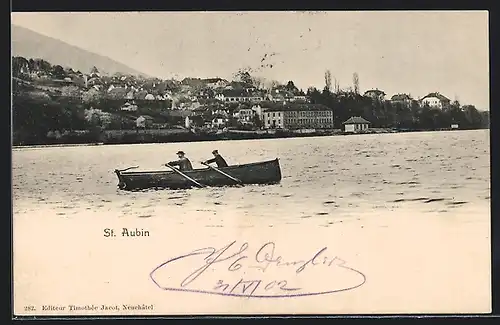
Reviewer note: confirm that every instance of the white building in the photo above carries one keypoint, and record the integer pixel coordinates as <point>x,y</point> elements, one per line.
<point>219,121</point>
<point>435,100</point>
<point>244,115</point>
<point>140,122</point>
<point>259,111</point>
<point>356,124</point>
<point>129,107</point>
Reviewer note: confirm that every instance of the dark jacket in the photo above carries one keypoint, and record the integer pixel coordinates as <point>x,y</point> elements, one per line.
<point>218,160</point>
<point>183,163</point>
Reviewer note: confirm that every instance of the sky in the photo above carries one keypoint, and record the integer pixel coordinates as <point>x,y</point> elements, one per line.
<point>397,52</point>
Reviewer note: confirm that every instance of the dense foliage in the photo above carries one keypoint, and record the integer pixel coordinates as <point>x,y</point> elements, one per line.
<point>384,114</point>
<point>46,105</point>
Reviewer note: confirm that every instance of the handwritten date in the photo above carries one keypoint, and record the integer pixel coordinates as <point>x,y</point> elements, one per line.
<point>262,273</point>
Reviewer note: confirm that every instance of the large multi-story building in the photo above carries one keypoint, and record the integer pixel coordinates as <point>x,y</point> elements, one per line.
<point>435,100</point>
<point>299,116</point>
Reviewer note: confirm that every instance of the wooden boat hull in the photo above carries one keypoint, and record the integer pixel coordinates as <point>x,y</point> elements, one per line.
<point>266,172</point>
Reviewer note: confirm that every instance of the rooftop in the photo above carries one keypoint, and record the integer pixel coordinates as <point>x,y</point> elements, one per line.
<point>239,93</point>
<point>211,80</point>
<point>401,97</point>
<point>375,91</point>
<point>437,95</point>
<point>298,107</point>
<point>356,120</point>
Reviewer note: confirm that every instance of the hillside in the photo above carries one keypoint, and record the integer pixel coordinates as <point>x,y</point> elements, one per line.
<point>30,44</point>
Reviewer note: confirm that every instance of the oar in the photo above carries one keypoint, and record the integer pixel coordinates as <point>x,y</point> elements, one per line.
<point>122,170</point>
<point>184,175</point>
<point>221,172</point>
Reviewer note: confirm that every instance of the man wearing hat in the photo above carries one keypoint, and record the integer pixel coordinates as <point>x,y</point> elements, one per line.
<point>217,159</point>
<point>183,163</point>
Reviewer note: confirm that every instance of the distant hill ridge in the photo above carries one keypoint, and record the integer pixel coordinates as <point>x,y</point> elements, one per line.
<point>29,44</point>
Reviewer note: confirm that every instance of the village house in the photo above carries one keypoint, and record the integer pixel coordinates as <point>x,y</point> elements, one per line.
<point>299,98</point>
<point>92,81</point>
<point>205,94</point>
<point>143,121</point>
<point>141,94</point>
<point>299,116</point>
<point>355,124</point>
<point>219,121</point>
<point>36,74</point>
<point>279,97</point>
<point>375,94</point>
<point>435,100</point>
<point>189,105</point>
<point>130,95</point>
<point>244,115</point>
<point>238,96</point>
<point>189,83</point>
<point>239,85</point>
<point>225,112</point>
<point>162,97</point>
<point>215,83</point>
<point>401,99</point>
<point>130,107</point>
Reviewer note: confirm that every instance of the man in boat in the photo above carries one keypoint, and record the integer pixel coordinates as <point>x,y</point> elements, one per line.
<point>183,162</point>
<point>217,159</point>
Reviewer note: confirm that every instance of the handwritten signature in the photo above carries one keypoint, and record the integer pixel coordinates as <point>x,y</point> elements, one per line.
<point>262,274</point>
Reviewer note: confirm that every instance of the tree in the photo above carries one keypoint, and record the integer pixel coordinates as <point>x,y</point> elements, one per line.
<point>336,86</point>
<point>257,122</point>
<point>70,91</point>
<point>42,65</point>
<point>58,72</point>
<point>18,63</point>
<point>97,118</point>
<point>244,76</point>
<point>485,118</point>
<point>355,82</point>
<point>91,96</point>
<point>258,82</point>
<point>290,86</point>
<point>473,116</point>
<point>328,80</point>
<point>314,95</point>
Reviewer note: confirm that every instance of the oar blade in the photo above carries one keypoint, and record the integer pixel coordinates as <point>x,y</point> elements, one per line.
<point>223,173</point>
<point>185,176</point>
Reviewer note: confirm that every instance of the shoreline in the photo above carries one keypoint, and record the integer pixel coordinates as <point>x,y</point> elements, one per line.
<point>224,137</point>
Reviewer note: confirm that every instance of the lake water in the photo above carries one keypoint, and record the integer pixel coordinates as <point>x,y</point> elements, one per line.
<point>390,204</point>
<point>325,179</point>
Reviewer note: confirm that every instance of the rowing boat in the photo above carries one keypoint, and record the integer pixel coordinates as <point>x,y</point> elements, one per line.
<point>265,172</point>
